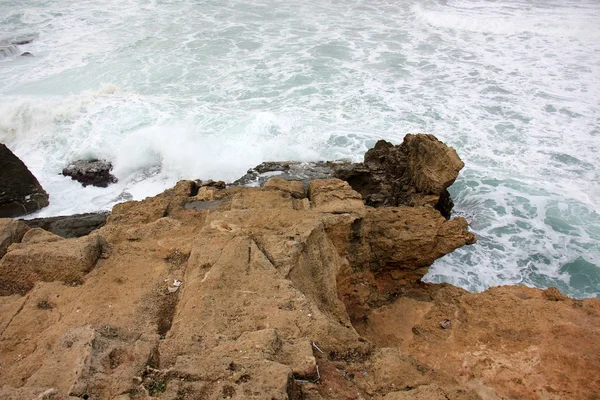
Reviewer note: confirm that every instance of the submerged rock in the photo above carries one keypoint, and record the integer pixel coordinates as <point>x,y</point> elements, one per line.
<point>20,191</point>
<point>91,172</point>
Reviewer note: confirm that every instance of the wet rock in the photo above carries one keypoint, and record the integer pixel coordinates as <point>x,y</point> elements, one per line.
<point>27,54</point>
<point>92,172</point>
<point>287,170</point>
<point>20,191</point>
<point>70,226</point>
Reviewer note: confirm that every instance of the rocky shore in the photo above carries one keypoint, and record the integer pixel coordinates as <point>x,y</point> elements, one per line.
<point>296,289</point>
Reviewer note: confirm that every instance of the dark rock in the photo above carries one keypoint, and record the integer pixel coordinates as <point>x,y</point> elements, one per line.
<point>71,226</point>
<point>20,191</point>
<point>27,54</point>
<point>92,172</point>
<point>22,42</point>
<point>416,172</point>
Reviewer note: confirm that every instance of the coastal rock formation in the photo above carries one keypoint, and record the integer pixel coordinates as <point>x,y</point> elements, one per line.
<point>20,191</point>
<point>281,292</point>
<point>91,172</point>
<point>416,172</point>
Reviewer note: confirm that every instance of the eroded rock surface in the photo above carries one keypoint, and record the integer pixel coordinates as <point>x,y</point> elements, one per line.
<point>20,191</point>
<point>278,293</point>
<point>416,172</point>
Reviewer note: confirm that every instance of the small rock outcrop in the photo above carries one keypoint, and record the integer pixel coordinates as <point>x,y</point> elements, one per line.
<point>416,172</point>
<point>91,172</point>
<point>20,191</point>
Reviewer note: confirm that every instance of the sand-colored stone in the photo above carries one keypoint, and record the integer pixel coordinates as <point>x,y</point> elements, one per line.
<point>294,188</point>
<point>66,260</point>
<point>38,235</point>
<point>278,301</point>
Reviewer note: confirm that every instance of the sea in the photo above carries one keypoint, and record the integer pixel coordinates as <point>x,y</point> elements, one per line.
<point>205,89</point>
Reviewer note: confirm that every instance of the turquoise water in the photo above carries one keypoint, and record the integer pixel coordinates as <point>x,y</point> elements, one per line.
<point>207,89</point>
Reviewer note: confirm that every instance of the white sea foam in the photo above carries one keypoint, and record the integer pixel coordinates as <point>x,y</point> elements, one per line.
<point>174,90</point>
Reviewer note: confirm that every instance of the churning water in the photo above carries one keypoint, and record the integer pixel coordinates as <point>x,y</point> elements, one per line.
<point>206,89</point>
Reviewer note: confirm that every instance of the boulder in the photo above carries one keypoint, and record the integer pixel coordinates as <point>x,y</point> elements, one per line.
<point>48,258</point>
<point>334,196</point>
<point>20,191</point>
<point>91,172</point>
<point>294,188</point>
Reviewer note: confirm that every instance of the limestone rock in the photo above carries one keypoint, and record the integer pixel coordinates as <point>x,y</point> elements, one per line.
<point>334,196</point>
<point>10,232</point>
<point>408,238</point>
<point>415,173</point>
<point>20,191</point>
<point>66,260</point>
<point>294,188</point>
<point>38,235</point>
<point>279,297</point>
